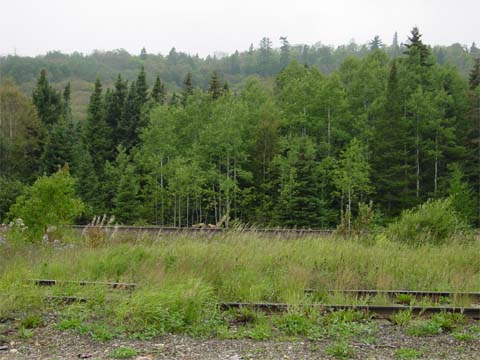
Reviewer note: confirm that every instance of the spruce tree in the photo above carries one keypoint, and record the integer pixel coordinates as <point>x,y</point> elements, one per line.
<point>67,106</point>
<point>376,43</point>
<point>47,101</point>
<point>126,199</point>
<point>143,54</point>
<point>187,88</point>
<point>130,121</point>
<point>265,55</point>
<point>158,91</point>
<point>284,52</point>
<point>174,100</point>
<point>215,86</point>
<point>474,50</point>
<point>475,75</point>
<point>87,184</point>
<point>58,150</point>
<point>114,108</point>
<point>97,132</point>
<point>142,87</point>
<point>462,197</point>
<point>395,48</point>
<point>391,160</point>
<point>416,47</point>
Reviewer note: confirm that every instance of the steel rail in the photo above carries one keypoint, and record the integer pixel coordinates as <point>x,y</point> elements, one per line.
<point>113,285</point>
<point>377,311</point>
<point>395,293</point>
<point>164,229</point>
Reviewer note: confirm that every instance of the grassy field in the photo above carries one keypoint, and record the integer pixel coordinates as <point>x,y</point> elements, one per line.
<point>181,279</point>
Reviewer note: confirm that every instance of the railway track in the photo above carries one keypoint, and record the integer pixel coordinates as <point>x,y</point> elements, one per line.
<point>377,311</point>
<point>405,294</point>
<point>156,230</point>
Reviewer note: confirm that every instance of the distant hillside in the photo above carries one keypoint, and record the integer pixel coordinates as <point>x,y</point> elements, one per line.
<point>82,70</point>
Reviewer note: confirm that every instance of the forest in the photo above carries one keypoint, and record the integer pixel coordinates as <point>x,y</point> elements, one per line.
<point>296,137</point>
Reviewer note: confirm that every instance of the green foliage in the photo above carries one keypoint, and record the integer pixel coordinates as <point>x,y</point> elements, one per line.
<point>318,133</point>
<point>49,201</point>
<point>11,189</point>
<point>406,353</point>
<point>340,350</point>
<point>123,353</point>
<point>170,309</point>
<point>401,318</point>
<point>435,221</point>
<point>439,323</point>
<point>462,197</point>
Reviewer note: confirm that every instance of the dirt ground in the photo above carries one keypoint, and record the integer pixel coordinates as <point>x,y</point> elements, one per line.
<point>49,343</point>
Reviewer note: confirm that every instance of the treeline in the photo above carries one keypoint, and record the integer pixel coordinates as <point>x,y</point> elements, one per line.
<point>262,59</point>
<point>308,150</point>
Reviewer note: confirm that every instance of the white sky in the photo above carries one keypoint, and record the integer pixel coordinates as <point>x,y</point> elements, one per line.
<point>34,27</point>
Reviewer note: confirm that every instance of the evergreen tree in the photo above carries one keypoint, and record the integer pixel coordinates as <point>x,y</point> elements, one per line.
<point>114,108</point>
<point>142,87</point>
<point>47,101</point>
<point>67,106</point>
<point>475,75</point>
<point>58,150</point>
<point>474,50</point>
<point>462,197</point>
<point>284,52</point>
<point>187,88</point>
<point>143,54</point>
<point>299,201</point>
<point>376,43</point>
<point>305,55</point>
<point>126,199</point>
<point>416,48</point>
<point>87,182</point>
<point>226,88</point>
<point>174,100</point>
<point>130,122</point>
<point>97,131</point>
<point>391,160</point>
<point>215,86</point>
<point>395,48</point>
<point>158,91</point>
<point>265,54</point>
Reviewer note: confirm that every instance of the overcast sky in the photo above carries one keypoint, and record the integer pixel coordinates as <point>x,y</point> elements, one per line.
<point>34,27</point>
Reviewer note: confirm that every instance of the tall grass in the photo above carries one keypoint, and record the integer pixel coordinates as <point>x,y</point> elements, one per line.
<point>180,279</point>
<point>242,267</point>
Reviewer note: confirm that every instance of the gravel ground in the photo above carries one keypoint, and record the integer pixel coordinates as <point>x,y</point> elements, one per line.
<point>48,343</point>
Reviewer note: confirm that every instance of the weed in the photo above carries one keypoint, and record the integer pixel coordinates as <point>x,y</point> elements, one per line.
<point>340,316</point>
<point>424,328</point>
<point>31,321</point>
<point>25,333</point>
<point>405,299</point>
<point>100,332</point>
<point>294,324</point>
<point>401,318</point>
<point>464,336</point>
<point>340,350</point>
<point>260,331</point>
<point>407,353</point>
<point>123,353</point>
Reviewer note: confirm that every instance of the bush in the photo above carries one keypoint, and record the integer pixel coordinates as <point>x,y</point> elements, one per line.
<point>49,201</point>
<point>435,222</point>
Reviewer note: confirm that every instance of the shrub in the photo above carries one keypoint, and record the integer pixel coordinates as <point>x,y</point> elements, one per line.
<point>435,221</point>
<point>49,201</point>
